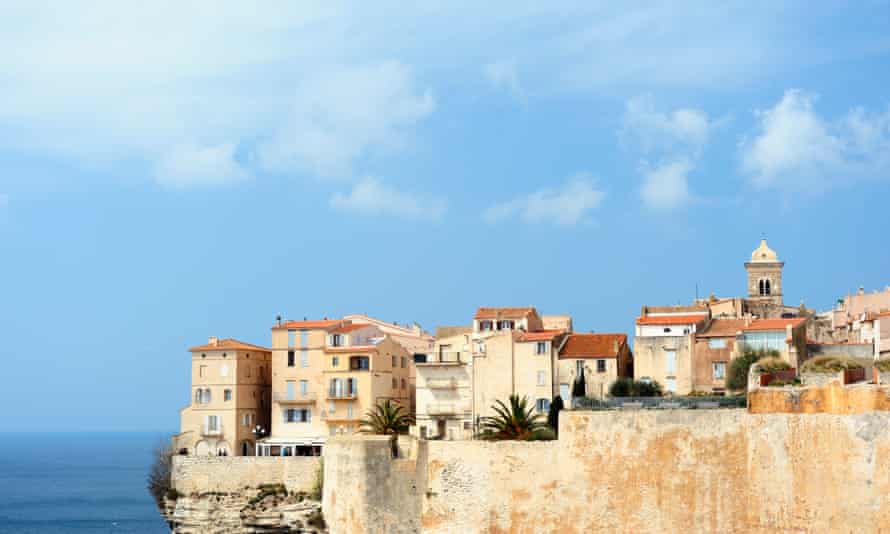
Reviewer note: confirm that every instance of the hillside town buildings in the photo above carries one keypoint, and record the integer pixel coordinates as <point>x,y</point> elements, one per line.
<point>321,377</point>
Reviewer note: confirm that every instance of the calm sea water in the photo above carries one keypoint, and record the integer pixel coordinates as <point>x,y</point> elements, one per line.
<point>82,483</point>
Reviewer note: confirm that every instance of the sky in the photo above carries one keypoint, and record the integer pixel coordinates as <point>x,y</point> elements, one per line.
<point>171,171</point>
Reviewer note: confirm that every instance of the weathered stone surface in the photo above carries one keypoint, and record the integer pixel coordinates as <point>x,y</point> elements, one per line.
<point>640,471</point>
<point>225,474</point>
<point>240,512</point>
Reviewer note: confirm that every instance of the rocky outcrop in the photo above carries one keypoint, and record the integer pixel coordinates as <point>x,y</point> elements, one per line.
<point>256,511</point>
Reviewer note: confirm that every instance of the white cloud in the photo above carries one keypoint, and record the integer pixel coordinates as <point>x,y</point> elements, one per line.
<point>655,129</point>
<point>188,166</point>
<point>372,197</point>
<point>666,186</point>
<point>338,116</point>
<point>795,148</point>
<point>564,206</point>
<point>503,75</point>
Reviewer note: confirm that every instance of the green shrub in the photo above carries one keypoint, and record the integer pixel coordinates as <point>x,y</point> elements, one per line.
<point>739,367</point>
<point>829,364</point>
<point>553,415</point>
<point>628,387</point>
<point>883,365</point>
<point>771,364</point>
<point>621,387</point>
<point>158,479</point>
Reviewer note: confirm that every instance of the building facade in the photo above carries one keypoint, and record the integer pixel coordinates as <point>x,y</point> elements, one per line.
<point>445,387</point>
<point>664,341</point>
<point>598,359</point>
<point>230,397</point>
<point>715,348</point>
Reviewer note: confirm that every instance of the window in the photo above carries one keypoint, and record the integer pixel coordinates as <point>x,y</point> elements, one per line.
<point>541,347</point>
<point>212,423</point>
<point>304,338</point>
<point>667,330</point>
<point>336,340</point>
<point>670,362</point>
<point>480,347</point>
<point>206,395</point>
<point>290,389</point>
<point>227,395</point>
<point>248,371</point>
<point>404,362</point>
<point>291,337</point>
<point>719,370</point>
<point>717,343</point>
<point>542,405</point>
<point>579,367</point>
<point>304,358</point>
<point>404,386</point>
<point>359,363</point>
<point>198,397</point>
<point>542,378</point>
<point>224,370</point>
<point>304,388</point>
<point>351,387</point>
<point>336,390</point>
<point>484,326</point>
<point>332,406</point>
<point>298,415</point>
<point>764,286</point>
<point>601,366</point>
<point>247,420</point>
<point>349,410</point>
<point>395,383</point>
<point>202,371</point>
<point>505,325</point>
<point>394,362</point>
<point>290,358</point>
<point>335,361</point>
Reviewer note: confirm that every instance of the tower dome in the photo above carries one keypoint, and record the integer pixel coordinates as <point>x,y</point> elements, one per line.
<point>764,254</point>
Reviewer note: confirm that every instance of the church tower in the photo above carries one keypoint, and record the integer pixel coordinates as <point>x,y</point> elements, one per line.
<point>764,277</point>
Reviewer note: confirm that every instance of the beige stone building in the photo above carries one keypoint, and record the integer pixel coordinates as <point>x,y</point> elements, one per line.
<point>505,351</point>
<point>599,358</point>
<point>326,375</point>
<point>664,339</point>
<point>715,348</point>
<point>230,397</point>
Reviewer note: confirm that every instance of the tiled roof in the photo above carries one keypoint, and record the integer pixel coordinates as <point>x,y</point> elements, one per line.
<point>448,331</point>
<point>540,335</point>
<point>349,328</point>
<point>228,344</point>
<point>308,325</point>
<point>722,328</point>
<point>773,324</point>
<point>676,309</point>
<point>671,319</point>
<point>504,313</point>
<point>592,345</point>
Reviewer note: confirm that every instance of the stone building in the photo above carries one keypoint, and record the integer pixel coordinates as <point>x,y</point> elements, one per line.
<point>664,339</point>
<point>599,358</point>
<point>230,397</point>
<point>445,386</point>
<point>715,347</point>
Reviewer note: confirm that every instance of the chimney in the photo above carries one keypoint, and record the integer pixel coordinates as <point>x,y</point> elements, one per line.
<point>615,346</point>
<point>213,341</point>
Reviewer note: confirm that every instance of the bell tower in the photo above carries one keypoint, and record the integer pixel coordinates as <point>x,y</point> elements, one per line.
<point>765,276</point>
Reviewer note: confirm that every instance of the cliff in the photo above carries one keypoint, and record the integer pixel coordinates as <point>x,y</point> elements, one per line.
<point>255,511</point>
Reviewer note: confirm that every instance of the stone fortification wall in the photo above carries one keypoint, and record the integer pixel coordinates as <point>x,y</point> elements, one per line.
<point>203,474</point>
<point>642,471</point>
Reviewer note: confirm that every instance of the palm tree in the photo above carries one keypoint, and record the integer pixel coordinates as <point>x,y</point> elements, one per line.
<point>387,419</point>
<point>516,422</point>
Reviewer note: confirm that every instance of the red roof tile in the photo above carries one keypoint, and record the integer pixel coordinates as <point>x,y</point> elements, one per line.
<point>672,319</point>
<point>773,324</point>
<point>722,328</point>
<point>228,344</point>
<point>308,325</point>
<point>540,335</point>
<point>504,313</point>
<point>349,328</point>
<point>592,345</point>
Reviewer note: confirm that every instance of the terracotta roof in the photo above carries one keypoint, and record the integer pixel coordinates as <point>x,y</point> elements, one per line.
<point>228,344</point>
<point>671,319</point>
<point>540,335</point>
<point>592,345</point>
<point>722,328</point>
<point>349,328</point>
<point>308,325</point>
<point>504,313</point>
<point>773,324</point>
<point>676,309</point>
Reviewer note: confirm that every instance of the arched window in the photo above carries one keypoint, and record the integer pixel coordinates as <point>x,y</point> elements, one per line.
<point>764,286</point>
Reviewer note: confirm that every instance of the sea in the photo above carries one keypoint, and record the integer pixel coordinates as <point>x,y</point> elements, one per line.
<point>82,483</point>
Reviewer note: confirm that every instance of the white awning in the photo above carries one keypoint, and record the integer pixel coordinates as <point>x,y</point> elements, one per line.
<point>292,442</point>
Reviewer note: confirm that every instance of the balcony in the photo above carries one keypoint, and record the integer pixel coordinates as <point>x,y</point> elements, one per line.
<point>333,395</point>
<point>441,383</point>
<point>445,357</point>
<point>305,398</point>
<point>443,409</point>
<point>211,431</point>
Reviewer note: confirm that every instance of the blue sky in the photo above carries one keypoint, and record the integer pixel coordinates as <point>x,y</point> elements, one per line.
<point>170,172</point>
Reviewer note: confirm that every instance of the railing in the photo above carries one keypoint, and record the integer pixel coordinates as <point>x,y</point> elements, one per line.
<point>444,357</point>
<point>206,430</point>
<point>342,394</point>
<point>660,403</point>
<point>441,383</point>
<point>309,396</point>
